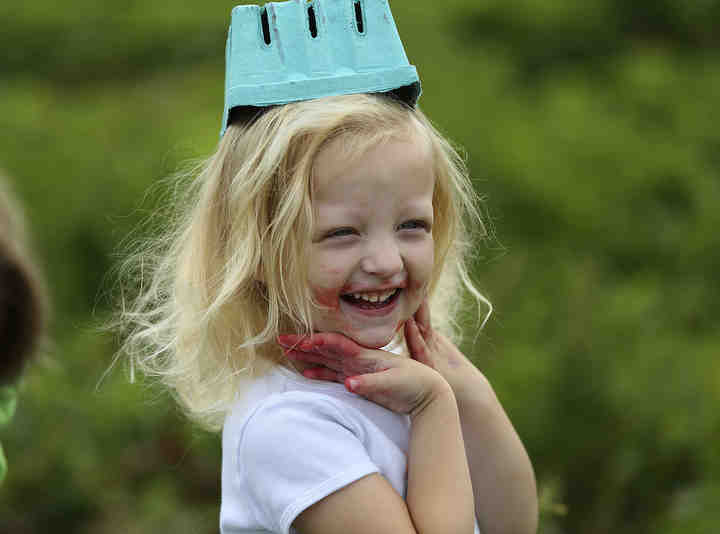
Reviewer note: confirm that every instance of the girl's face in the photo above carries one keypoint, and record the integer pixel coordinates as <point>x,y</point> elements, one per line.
<point>371,256</point>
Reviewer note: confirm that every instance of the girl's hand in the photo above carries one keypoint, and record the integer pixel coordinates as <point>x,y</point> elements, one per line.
<point>438,352</point>
<point>399,384</point>
<point>425,345</point>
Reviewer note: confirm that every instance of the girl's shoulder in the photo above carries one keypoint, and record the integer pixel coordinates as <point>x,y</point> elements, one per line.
<point>281,393</point>
<point>282,404</point>
<point>287,444</point>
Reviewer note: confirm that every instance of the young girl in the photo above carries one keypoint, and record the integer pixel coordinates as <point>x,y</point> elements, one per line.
<point>291,306</point>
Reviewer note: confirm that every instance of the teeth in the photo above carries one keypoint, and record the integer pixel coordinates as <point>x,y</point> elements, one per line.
<point>374,297</point>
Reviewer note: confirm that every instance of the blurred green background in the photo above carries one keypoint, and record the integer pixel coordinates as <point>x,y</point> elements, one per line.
<point>591,128</point>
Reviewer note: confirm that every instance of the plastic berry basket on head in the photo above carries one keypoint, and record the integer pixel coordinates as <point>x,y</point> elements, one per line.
<point>296,50</point>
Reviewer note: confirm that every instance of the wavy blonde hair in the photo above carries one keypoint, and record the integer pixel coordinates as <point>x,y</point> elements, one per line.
<point>230,275</point>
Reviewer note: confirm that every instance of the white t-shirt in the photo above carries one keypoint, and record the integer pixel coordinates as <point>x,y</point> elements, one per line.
<point>291,441</point>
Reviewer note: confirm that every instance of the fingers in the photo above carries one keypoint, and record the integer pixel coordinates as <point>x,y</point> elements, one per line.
<point>313,357</point>
<point>367,383</point>
<point>335,343</point>
<point>309,350</point>
<point>400,388</point>
<point>367,363</point>
<point>329,349</point>
<point>422,317</point>
<point>329,343</point>
<point>340,355</point>
<point>323,373</point>
<point>416,343</point>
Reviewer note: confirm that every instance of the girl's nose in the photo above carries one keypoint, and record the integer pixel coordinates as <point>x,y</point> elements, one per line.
<point>383,259</point>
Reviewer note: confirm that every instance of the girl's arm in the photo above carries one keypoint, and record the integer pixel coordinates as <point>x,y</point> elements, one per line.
<point>502,475</point>
<point>503,482</point>
<point>439,492</point>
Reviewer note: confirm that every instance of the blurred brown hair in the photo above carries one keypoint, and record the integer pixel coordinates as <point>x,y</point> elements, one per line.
<point>23,300</point>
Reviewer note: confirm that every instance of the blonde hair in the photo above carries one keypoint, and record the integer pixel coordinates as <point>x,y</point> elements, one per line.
<point>231,274</point>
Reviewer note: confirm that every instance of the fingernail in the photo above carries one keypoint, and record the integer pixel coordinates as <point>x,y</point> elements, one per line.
<point>351,383</point>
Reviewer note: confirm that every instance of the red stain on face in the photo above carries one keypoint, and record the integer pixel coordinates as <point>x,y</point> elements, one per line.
<point>368,240</point>
<point>327,297</point>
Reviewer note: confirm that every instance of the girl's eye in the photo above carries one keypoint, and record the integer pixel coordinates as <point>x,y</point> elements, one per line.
<point>340,232</point>
<point>414,225</point>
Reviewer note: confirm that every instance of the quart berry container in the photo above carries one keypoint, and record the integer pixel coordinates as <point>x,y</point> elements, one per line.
<point>296,50</point>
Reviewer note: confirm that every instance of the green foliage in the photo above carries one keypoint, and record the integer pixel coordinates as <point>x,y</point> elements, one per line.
<point>591,130</point>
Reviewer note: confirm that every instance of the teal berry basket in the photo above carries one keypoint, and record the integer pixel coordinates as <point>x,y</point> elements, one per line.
<point>297,50</point>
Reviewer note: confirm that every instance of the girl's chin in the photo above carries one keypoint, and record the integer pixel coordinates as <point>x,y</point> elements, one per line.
<point>374,341</point>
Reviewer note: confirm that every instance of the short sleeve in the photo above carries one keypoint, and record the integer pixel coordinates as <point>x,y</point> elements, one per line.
<point>296,449</point>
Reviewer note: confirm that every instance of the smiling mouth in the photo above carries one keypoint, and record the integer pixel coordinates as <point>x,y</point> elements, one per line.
<point>372,301</point>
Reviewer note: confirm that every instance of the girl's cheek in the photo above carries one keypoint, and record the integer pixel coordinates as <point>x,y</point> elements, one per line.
<point>327,297</point>
<point>326,285</point>
<point>419,287</point>
<point>421,260</point>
